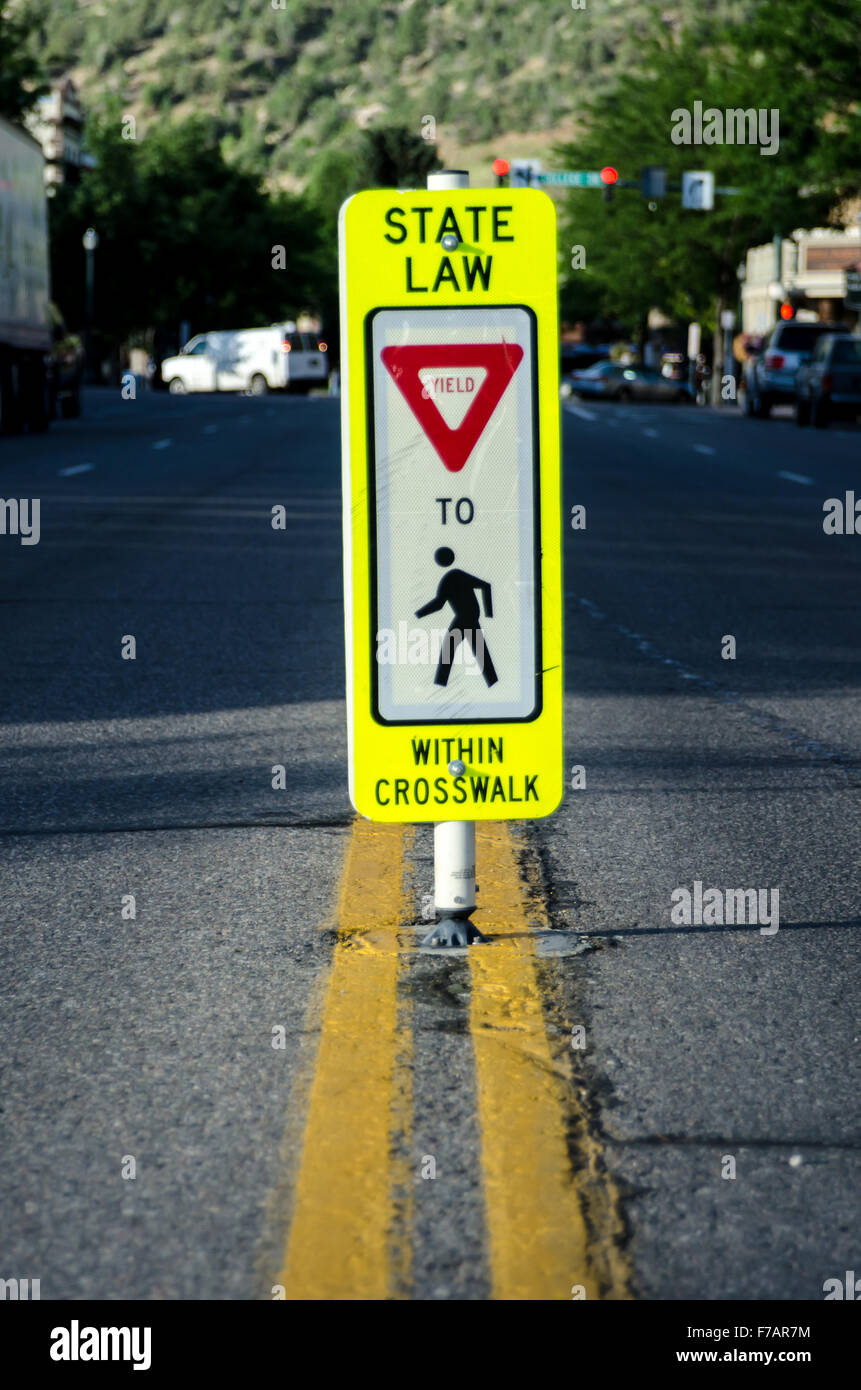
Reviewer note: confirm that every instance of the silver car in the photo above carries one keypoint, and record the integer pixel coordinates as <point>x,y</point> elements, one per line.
<point>613,381</point>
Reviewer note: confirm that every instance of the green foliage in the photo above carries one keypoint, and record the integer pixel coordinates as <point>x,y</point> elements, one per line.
<point>480,67</point>
<point>395,157</point>
<point>285,93</point>
<point>334,175</point>
<point>20,69</point>
<point>679,260</point>
<point>183,235</point>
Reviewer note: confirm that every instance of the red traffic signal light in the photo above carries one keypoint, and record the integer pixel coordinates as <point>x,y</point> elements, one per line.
<point>786,310</point>
<point>500,167</point>
<point>609,174</point>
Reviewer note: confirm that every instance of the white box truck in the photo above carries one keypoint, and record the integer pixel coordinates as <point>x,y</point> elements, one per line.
<point>25,323</point>
<point>277,358</point>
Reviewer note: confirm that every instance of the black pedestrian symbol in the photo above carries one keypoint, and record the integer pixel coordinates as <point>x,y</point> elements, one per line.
<point>458,588</point>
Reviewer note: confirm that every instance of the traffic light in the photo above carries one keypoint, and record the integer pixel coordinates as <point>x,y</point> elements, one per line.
<point>787,310</point>
<point>609,175</point>
<point>653,181</point>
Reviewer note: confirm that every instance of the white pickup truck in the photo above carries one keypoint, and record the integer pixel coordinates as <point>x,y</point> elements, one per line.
<point>248,359</point>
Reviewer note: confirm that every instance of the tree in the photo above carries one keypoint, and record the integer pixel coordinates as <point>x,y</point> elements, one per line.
<point>334,175</point>
<point>20,70</point>
<point>183,236</point>
<point>681,261</point>
<point>394,157</point>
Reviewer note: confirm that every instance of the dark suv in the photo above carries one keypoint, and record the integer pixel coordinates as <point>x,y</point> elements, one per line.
<point>829,385</point>
<point>770,376</point>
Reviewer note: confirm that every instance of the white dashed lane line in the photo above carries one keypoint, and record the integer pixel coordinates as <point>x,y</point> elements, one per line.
<point>76,468</point>
<point>765,719</point>
<point>651,434</point>
<point>703,449</point>
<point>581,413</point>
<point>210,429</point>
<point>162,443</point>
<point>795,477</point>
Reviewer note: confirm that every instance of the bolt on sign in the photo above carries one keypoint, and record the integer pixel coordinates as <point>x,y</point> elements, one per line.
<point>452,521</point>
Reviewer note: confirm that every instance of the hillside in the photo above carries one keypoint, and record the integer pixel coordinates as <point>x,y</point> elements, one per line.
<point>497,76</point>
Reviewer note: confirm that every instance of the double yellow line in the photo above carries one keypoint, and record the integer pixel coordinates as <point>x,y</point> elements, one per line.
<point>552,1216</point>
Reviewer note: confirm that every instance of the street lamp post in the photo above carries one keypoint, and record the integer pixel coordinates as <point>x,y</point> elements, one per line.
<point>90,241</point>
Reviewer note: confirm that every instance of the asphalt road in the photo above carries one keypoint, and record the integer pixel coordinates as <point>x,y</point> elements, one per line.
<point>709,1041</point>
<point>151,1037</point>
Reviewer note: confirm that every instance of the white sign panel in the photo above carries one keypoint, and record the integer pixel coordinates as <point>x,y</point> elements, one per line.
<point>523,172</point>
<point>454,559</point>
<point>698,190</point>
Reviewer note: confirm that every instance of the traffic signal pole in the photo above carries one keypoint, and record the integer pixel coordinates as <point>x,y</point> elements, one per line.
<point>717,353</point>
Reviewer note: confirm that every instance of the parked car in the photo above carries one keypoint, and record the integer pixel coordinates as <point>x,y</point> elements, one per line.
<point>248,359</point>
<point>829,385</point>
<point>576,357</point>
<point>614,381</point>
<point>769,376</point>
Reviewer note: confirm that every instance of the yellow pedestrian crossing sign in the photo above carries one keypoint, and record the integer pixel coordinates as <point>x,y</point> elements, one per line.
<point>452,526</point>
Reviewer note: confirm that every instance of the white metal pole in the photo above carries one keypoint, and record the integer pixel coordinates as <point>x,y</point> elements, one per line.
<point>449,178</point>
<point>453,840</point>
<point>454,867</point>
<point>454,887</point>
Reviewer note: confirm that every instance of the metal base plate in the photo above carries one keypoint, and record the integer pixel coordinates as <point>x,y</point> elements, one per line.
<point>453,931</point>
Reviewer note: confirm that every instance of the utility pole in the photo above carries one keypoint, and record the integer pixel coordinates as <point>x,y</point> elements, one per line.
<point>717,351</point>
<point>90,242</point>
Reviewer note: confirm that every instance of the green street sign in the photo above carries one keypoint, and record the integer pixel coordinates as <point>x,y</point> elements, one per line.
<point>571,178</point>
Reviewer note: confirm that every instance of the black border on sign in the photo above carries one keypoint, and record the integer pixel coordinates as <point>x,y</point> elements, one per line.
<point>414,722</point>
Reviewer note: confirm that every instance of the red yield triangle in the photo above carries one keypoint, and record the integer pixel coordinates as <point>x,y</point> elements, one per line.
<point>499,360</point>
